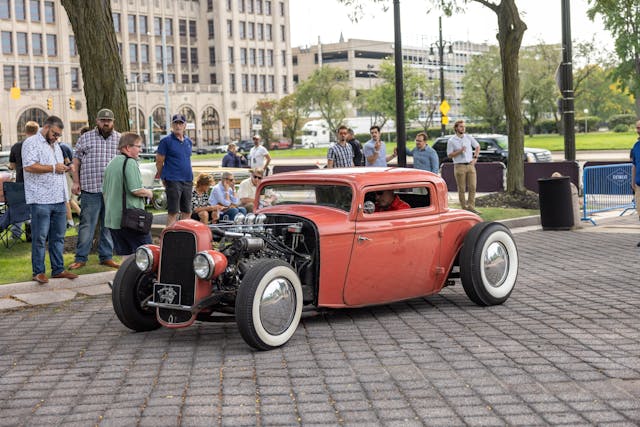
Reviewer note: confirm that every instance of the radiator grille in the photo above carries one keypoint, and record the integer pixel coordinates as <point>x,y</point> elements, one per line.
<point>176,263</point>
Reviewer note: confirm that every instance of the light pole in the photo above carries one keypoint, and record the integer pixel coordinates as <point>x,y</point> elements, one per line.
<point>441,45</point>
<point>135,89</point>
<point>165,77</point>
<point>370,74</point>
<point>586,112</point>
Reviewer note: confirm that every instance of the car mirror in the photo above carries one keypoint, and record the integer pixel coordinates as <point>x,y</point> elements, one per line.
<point>369,207</point>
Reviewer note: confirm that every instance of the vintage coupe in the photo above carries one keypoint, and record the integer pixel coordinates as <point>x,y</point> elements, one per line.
<point>316,242</point>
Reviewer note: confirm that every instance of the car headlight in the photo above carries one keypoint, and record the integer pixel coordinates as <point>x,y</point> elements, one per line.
<point>203,265</point>
<point>144,259</point>
<point>530,157</point>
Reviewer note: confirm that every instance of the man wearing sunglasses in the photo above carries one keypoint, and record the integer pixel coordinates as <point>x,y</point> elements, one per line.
<point>248,187</point>
<point>223,194</point>
<point>45,191</point>
<point>387,200</point>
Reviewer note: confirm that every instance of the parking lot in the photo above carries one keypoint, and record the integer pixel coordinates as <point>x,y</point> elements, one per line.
<point>564,349</point>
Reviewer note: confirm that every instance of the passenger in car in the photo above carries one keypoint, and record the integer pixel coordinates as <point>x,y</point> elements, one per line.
<point>387,200</point>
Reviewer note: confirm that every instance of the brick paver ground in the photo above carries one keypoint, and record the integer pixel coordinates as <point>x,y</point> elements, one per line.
<point>564,350</point>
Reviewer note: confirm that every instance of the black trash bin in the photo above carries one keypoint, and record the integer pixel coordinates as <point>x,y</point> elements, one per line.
<point>556,207</point>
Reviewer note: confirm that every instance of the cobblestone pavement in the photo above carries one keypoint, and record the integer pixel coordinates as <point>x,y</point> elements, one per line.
<point>565,349</point>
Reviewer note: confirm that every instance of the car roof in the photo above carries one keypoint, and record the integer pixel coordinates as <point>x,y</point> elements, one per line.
<point>361,177</point>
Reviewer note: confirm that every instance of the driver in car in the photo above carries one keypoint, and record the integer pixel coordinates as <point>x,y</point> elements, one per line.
<point>386,200</point>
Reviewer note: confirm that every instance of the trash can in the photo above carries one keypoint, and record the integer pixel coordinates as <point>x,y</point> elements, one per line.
<point>556,207</point>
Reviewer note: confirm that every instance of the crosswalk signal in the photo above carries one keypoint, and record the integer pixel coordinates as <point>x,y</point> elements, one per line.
<point>49,103</point>
<point>72,103</point>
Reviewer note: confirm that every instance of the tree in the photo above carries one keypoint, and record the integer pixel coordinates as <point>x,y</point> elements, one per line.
<point>382,98</point>
<point>539,89</point>
<point>326,91</point>
<point>510,32</point>
<point>104,85</point>
<point>483,88</point>
<point>602,97</point>
<point>267,109</point>
<point>622,19</point>
<point>290,111</point>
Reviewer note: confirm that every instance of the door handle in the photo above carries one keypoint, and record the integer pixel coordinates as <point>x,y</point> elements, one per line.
<point>363,238</point>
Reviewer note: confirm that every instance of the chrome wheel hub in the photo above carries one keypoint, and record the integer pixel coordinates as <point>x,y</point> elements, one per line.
<point>277,306</point>
<point>495,264</point>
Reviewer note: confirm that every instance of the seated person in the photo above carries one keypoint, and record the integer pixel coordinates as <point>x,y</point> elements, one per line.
<point>248,187</point>
<point>386,200</point>
<point>201,210</point>
<point>224,196</point>
<point>233,159</point>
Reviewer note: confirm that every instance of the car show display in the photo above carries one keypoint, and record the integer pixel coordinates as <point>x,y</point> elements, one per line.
<point>320,240</point>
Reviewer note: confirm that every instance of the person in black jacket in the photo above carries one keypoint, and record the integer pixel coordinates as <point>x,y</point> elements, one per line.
<point>356,147</point>
<point>233,159</point>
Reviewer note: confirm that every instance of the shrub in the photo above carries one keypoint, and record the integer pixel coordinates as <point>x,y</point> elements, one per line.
<point>620,127</point>
<point>625,119</point>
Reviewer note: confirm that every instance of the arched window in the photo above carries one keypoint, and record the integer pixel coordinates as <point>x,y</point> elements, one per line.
<point>32,114</point>
<point>159,124</point>
<point>138,126</point>
<point>191,130</point>
<point>210,127</point>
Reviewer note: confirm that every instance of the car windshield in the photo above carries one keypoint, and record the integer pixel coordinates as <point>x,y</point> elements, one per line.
<point>335,196</point>
<point>502,141</point>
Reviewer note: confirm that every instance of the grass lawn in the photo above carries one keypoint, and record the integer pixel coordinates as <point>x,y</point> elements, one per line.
<point>15,262</point>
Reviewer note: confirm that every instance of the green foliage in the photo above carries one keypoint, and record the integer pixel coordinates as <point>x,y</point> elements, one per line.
<point>625,119</point>
<point>600,95</point>
<point>482,96</point>
<point>620,127</point>
<point>327,91</point>
<point>290,110</point>
<point>267,109</point>
<point>538,86</point>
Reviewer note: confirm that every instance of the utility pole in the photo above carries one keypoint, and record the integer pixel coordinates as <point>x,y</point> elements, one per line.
<point>401,134</point>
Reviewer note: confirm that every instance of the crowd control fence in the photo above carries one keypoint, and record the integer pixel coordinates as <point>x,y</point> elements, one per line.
<point>606,188</point>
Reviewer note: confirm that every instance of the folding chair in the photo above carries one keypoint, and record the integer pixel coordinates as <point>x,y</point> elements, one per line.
<point>17,211</point>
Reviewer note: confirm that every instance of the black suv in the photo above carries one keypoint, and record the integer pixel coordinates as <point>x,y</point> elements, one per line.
<point>493,148</point>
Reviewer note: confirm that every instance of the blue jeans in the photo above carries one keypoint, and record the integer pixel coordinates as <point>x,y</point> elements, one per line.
<point>92,211</point>
<point>48,222</point>
<point>231,213</point>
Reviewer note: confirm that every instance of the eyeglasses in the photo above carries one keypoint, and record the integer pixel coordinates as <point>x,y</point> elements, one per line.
<point>56,134</point>
<point>137,146</point>
<point>257,176</point>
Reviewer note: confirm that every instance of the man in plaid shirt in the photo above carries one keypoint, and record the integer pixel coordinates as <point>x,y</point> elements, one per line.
<point>93,151</point>
<point>340,155</point>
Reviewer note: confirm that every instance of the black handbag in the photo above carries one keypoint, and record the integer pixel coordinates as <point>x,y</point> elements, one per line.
<point>134,219</point>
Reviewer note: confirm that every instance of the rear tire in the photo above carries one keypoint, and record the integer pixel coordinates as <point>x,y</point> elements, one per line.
<point>269,304</point>
<point>488,264</point>
<point>130,288</point>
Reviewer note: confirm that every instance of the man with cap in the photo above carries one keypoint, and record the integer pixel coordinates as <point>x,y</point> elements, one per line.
<point>173,164</point>
<point>94,150</point>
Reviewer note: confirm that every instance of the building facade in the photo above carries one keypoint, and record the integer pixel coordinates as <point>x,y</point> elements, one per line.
<point>210,60</point>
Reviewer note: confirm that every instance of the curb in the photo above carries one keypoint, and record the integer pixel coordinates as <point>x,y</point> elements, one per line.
<point>56,284</point>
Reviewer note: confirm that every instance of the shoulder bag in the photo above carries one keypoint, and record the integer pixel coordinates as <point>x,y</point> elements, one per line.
<point>134,219</point>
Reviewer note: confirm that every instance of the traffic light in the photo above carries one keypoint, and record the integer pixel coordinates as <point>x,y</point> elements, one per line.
<point>49,103</point>
<point>72,103</point>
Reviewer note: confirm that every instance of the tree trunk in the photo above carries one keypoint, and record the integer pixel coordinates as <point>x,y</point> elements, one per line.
<point>510,31</point>
<point>104,85</point>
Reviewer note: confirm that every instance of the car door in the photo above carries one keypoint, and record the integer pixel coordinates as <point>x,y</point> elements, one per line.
<point>395,254</point>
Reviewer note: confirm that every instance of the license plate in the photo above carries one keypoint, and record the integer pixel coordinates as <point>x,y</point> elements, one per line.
<point>166,294</point>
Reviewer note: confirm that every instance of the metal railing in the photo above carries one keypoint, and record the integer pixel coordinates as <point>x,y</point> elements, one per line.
<point>607,188</point>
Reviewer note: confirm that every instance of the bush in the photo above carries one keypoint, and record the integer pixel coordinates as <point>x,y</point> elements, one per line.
<point>625,119</point>
<point>619,128</point>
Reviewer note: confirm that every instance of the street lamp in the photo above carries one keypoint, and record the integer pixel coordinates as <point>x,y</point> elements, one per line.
<point>586,111</point>
<point>370,74</point>
<point>441,46</point>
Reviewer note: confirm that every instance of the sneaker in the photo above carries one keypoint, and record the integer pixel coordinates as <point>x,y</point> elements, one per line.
<point>70,224</point>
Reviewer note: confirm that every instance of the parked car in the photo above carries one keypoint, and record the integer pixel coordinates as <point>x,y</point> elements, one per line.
<point>315,243</point>
<point>280,144</point>
<point>493,148</point>
<point>245,145</point>
<point>207,149</point>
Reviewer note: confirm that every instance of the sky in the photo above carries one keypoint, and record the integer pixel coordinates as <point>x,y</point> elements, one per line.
<point>327,19</point>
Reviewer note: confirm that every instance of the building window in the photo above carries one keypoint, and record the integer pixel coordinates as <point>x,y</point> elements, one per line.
<point>75,78</point>
<point>252,57</point>
<point>245,83</point>
<point>144,53</point>
<point>7,43</point>
<point>116,22</point>
<point>146,78</point>
<point>21,13</point>
<point>229,28</point>
<point>193,30</point>
<point>228,4</point>
<point>241,6</point>
<point>213,78</point>
<point>9,76</point>
<point>36,45</point>
<point>232,82</point>
<point>52,45</point>
<point>285,89</point>
<point>281,8</point>
<point>267,7</point>
<point>182,29</point>
<point>131,23</point>
<point>211,28</point>
<point>170,57</point>
<point>73,48</point>
<point>185,78</point>
<point>195,78</point>
<point>243,56</point>
<point>54,79</point>
<point>269,57</point>
<point>157,26</point>
<point>253,83</point>
<point>251,31</point>
<point>133,53</point>
<point>241,30</point>
<point>38,77</point>
<point>270,84</point>
<point>209,5</point>
<point>22,43</point>
<point>269,32</point>
<point>230,53</point>
<point>5,12</point>
<point>212,56</point>
<point>259,7</point>
<point>168,23</point>
<point>261,57</point>
<point>25,77</point>
<point>260,31</point>
<point>284,57</point>
<point>34,10</point>
<point>171,78</point>
<point>283,34</point>
<point>158,55</point>
<point>49,12</point>
<point>184,55</point>
<point>263,84</point>
<point>249,6</point>
<point>194,56</point>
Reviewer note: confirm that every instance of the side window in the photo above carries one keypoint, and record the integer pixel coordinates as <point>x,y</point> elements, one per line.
<point>484,145</point>
<point>397,199</point>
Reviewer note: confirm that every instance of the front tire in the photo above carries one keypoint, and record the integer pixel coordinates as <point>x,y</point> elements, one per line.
<point>488,264</point>
<point>269,304</point>
<point>131,287</point>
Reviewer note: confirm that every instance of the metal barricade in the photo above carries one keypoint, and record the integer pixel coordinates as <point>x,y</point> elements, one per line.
<point>607,188</point>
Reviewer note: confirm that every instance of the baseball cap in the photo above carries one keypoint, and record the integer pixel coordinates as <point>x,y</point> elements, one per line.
<point>105,114</point>
<point>178,118</point>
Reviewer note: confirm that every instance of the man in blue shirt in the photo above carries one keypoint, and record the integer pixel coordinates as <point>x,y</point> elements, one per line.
<point>375,151</point>
<point>635,169</point>
<point>224,195</point>
<point>173,164</point>
<point>424,157</point>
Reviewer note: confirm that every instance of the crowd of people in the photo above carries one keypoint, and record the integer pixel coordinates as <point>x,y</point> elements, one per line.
<point>98,173</point>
